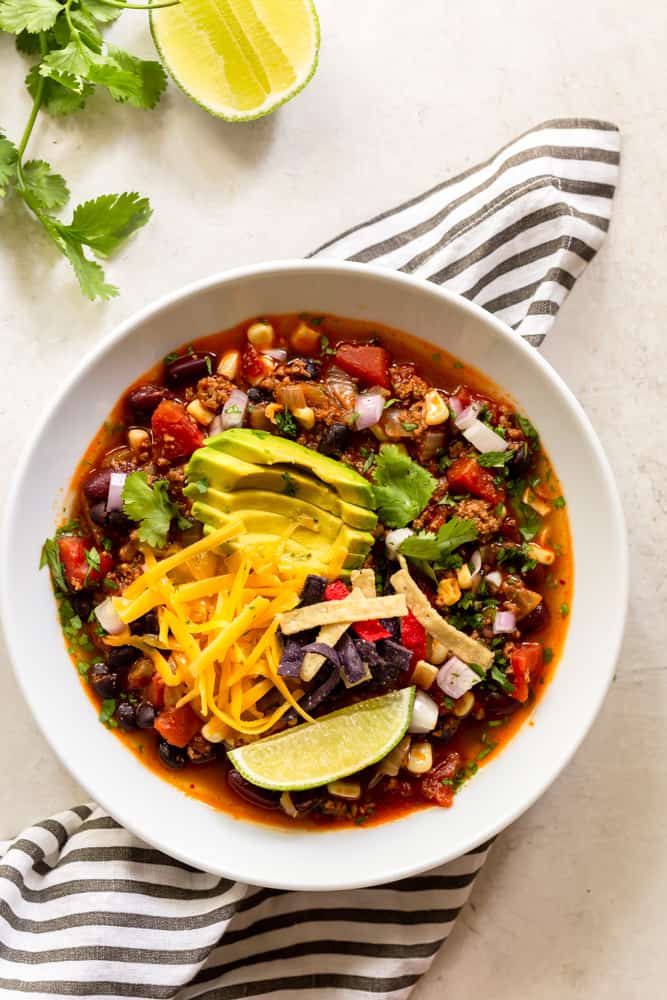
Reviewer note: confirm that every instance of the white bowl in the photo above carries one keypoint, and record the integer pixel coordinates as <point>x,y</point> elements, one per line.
<point>335,859</point>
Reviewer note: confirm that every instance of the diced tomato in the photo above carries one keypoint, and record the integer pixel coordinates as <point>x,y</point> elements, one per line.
<point>526,662</point>
<point>371,630</point>
<point>81,571</point>
<point>154,693</point>
<point>251,363</point>
<point>466,475</point>
<point>177,725</point>
<point>437,785</point>
<point>175,433</point>
<point>413,637</point>
<point>365,362</point>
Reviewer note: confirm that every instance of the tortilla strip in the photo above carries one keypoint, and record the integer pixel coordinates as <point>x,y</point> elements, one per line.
<point>363,581</point>
<point>458,643</point>
<point>354,608</point>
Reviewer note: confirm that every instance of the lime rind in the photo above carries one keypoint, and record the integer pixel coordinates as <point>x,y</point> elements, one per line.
<point>260,112</point>
<point>396,707</point>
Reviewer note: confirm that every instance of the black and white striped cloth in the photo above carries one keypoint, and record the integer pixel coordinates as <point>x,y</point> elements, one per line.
<point>86,909</point>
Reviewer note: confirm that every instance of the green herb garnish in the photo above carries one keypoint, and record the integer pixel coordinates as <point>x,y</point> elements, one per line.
<point>152,508</point>
<point>436,547</point>
<point>402,488</point>
<point>495,459</point>
<point>286,423</point>
<point>290,485</point>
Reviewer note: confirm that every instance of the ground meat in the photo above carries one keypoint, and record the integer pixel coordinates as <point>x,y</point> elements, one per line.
<point>176,478</point>
<point>124,574</point>
<point>405,385</point>
<point>481,512</point>
<point>213,391</point>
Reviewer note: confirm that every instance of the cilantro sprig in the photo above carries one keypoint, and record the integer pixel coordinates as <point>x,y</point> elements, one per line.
<point>152,508</point>
<point>73,59</point>
<point>437,548</point>
<point>402,488</point>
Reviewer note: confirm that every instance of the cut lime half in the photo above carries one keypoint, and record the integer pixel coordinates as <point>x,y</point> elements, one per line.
<point>238,59</point>
<point>333,747</point>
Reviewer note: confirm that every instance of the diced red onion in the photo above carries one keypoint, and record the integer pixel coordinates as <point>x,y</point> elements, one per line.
<point>215,427</point>
<point>115,493</point>
<point>455,677</point>
<point>394,539</point>
<point>494,579</point>
<point>484,438</point>
<point>277,353</point>
<point>433,442</point>
<point>505,621</point>
<point>233,412</point>
<point>424,714</point>
<point>455,405</point>
<point>468,416</point>
<point>476,563</point>
<point>108,618</point>
<point>369,406</point>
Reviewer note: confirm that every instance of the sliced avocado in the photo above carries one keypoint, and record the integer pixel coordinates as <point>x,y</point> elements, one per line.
<point>264,448</point>
<point>226,472</point>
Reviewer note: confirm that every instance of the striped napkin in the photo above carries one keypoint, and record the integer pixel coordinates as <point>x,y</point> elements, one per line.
<point>86,909</point>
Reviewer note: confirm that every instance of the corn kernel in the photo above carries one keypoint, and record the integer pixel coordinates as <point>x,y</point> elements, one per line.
<point>350,790</point>
<point>449,591</point>
<point>534,501</point>
<point>463,705</point>
<point>305,340</point>
<point>305,415</point>
<point>230,365</point>
<point>464,577</point>
<point>540,554</point>
<point>420,758</point>
<point>438,652</point>
<point>424,674</point>
<point>138,439</point>
<point>201,413</point>
<point>260,335</point>
<point>436,410</point>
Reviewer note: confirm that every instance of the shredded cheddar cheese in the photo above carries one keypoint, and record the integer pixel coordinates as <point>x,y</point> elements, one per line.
<point>217,630</point>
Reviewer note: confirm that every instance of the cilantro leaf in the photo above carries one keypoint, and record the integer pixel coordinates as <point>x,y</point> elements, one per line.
<point>68,65</point>
<point>436,548</point>
<point>495,459</point>
<point>27,43</point>
<point>49,189</point>
<point>28,15</point>
<point>402,488</point>
<point>88,272</point>
<point>101,11</point>
<point>50,556</point>
<point>103,224</point>
<point>143,81</point>
<point>529,520</point>
<point>527,428</point>
<point>8,160</point>
<point>107,710</point>
<point>201,485</point>
<point>286,423</point>
<point>57,99</point>
<point>150,506</point>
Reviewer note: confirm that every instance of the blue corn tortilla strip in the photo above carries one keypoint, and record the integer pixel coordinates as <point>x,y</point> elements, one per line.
<point>395,659</point>
<point>291,660</point>
<point>355,670</point>
<point>393,626</point>
<point>313,590</point>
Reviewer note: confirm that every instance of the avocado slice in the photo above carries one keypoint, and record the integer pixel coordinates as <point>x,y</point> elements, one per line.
<point>265,448</point>
<point>226,472</point>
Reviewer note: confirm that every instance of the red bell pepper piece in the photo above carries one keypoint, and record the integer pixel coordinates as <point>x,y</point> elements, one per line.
<point>437,785</point>
<point>175,433</point>
<point>526,662</point>
<point>178,725</point>
<point>154,693</point>
<point>466,475</point>
<point>365,362</point>
<point>81,571</point>
<point>371,630</point>
<point>413,637</point>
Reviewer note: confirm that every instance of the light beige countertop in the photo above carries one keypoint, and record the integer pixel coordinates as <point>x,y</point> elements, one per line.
<point>571,902</point>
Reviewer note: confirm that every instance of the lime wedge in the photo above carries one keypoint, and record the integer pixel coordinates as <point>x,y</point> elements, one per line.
<point>238,59</point>
<point>333,747</point>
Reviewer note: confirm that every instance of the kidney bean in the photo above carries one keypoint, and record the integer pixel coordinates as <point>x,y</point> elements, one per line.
<point>145,398</point>
<point>96,484</point>
<point>189,368</point>
<point>251,793</point>
<point>539,618</point>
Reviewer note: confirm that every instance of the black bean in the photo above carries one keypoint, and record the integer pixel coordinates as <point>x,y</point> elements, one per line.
<point>305,801</point>
<point>252,793</point>
<point>126,716</point>
<point>98,513</point>
<point>118,522</point>
<point>145,715</point>
<point>496,703</point>
<point>102,681</point>
<point>335,440</point>
<point>82,602</point>
<point>146,625</point>
<point>171,756</point>
<point>122,657</point>
<point>520,460</point>
<point>200,751</point>
<point>96,484</point>
<point>145,398</point>
<point>539,618</point>
<point>259,395</point>
<point>189,368</point>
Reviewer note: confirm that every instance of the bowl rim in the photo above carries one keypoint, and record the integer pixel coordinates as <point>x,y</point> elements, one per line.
<point>150,311</point>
